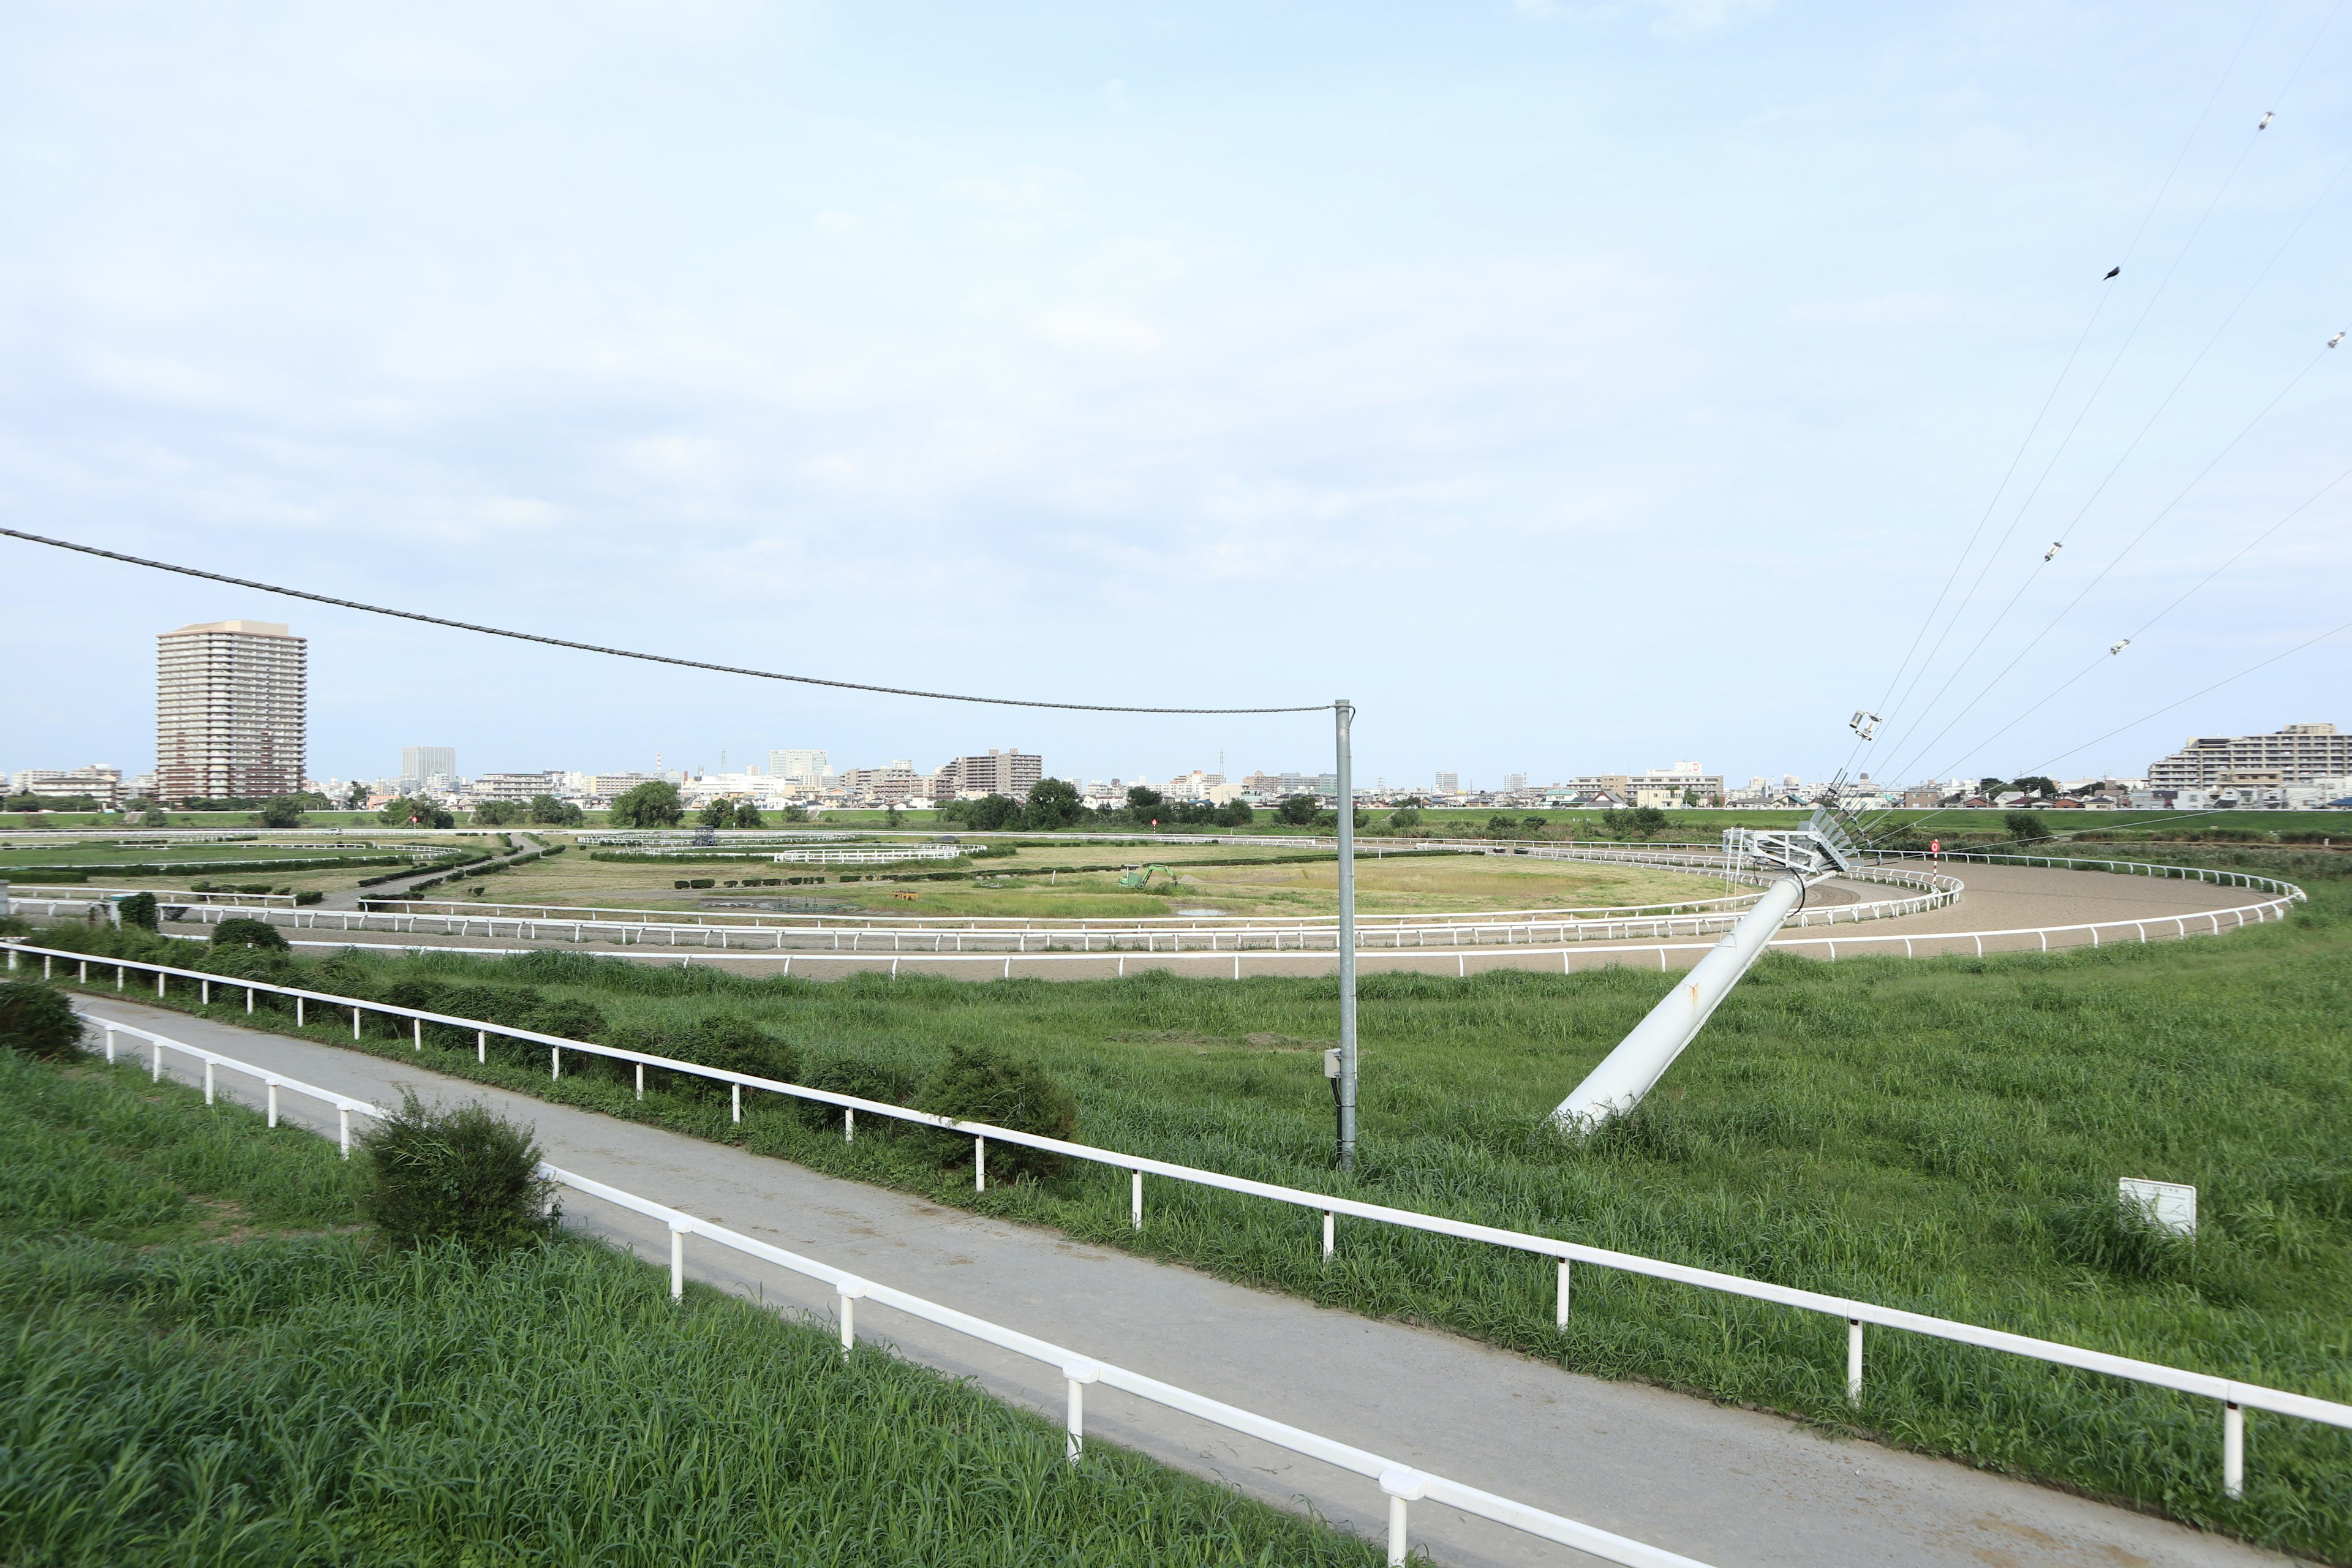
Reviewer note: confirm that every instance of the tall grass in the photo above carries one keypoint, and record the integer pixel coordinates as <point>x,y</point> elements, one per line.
<point>1944,1135</point>
<point>301,1400</point>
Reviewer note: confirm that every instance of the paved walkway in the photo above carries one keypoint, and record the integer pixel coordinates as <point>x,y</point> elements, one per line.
<point>1730,1486</point>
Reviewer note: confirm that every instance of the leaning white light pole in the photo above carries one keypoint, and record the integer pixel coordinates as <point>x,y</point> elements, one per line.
<point>1643,1057</point>
<point>1344,713</point>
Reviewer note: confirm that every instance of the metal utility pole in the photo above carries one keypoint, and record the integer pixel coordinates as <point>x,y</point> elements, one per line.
<point>1344,712</point>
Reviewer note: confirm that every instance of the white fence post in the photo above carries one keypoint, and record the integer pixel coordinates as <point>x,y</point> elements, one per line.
<point>1079,1374</point>
<point>1854,1360</point>
<point>2233,1450</point>
<point>343,1128</point>
<point>980,1164</point>
<point>273,1103</point>
<point>481,1045</point>
<point>1560,1307</point>
<point>208,1080</point>
<point>676,1263</point>
<point>738,1099</point>
<point>849,1290</point>
<point>1403,1486</point>
<point>1134,1201</point>
<point>1330,1240</point>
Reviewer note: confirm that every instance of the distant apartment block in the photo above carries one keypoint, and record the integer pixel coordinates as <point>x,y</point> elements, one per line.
<point>103,785</point>
<point>1008,772</point>
<point>798,768</point>
<point>1660,787</point>
<point>230,711</point>
<point>518,786</point>
<point>1449,783</point>
<point>1266,786</point>
<point>429,764</point>
<point>2298,754</point>
<point>893,784</point>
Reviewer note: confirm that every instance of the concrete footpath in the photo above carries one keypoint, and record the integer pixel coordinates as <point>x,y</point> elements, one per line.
<point>1732,1488</point>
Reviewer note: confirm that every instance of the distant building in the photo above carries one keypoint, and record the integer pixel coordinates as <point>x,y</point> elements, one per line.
<point>1448,784</point>
<point>433,766</point>
<point>1515,780</point>
<point>519,787</point>
<point>1662,787</point>
<point>894,784</point>
<point>1266,786</point>
<point>230,711</point>
<point>1012,774</point>
<point>103,785</point>
<point>2298,754</point>
<point>797,766</point>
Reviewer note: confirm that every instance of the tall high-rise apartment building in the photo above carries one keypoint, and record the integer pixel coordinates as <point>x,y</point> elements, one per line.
<point>426,763</point>
<point>230,705</point>
<point>799,767</point>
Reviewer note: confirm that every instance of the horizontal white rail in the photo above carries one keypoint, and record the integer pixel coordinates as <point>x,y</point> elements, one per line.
<point>1400,1482</point>
<point>2233,1394</point>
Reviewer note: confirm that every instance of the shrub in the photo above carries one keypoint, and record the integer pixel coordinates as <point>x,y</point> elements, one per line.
<point>682,882</point>
<point>310,898</point>
<point>243,933</point>
<point>460,1174</point>
<point>733,1043</point>
<point>138,910</point>
<point>702,882</point>
<point>2109,1233</point>
<point>37,1020</point>
<point>2022,825</point>
<point>982,1083</point>
<point>855,1075</point>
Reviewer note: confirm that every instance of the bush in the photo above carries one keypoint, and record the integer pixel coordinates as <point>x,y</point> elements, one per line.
<point>852,1076</point>
<point>138,910</point>
<point>2024,826</point>
<point>733,1043</point>
<point>460,1174</point>
<point>2109,1233</point>
<point>37,1020</point>
<point>310,898</point>
<point>243,933</point>
<point>982,1083</point>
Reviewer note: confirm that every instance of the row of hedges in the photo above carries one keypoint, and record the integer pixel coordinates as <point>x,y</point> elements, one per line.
<point>475,869</point>
<point>408,865</point>
<point>154,868</point>
<point>753,882</point>
<point>976,1084</point>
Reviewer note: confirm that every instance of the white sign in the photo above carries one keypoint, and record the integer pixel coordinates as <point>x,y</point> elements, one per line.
<point>2168,1205</point>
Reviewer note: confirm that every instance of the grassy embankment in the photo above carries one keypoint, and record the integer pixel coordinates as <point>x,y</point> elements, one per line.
<point>1943,1135</point>
<point>208,1362</point>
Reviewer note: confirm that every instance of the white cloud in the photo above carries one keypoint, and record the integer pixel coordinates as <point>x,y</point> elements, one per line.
<point>1089,327</point>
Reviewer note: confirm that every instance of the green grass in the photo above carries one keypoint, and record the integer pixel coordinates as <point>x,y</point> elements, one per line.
<point>1942,1135</point>
<point>175,1389</point>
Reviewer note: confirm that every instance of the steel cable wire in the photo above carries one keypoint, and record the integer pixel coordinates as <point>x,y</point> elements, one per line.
<point>1888,705</point>
<point>621,652</point>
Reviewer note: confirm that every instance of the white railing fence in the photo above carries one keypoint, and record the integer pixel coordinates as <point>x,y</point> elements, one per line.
<point>2234,1397</point>
<point>1400,1483</point>
<point>1231,962</point>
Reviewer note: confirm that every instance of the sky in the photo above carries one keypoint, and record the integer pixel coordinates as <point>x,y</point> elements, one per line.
<point>1574,387</point>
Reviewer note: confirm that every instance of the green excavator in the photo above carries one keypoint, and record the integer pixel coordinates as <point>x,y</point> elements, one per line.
<point>1141,876</point>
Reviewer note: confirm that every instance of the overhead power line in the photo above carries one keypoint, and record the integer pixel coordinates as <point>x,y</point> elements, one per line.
<point>622,652</point>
